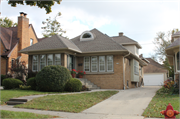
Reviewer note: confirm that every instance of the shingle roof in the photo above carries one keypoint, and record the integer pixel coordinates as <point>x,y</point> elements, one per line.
<point>101,43</point>
<point>174,44</point>
<point>154,63</point>
<point>176,34</point>
<point>52,43</point>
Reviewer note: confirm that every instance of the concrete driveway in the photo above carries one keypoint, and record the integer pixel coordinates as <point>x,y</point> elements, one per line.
<point>130,102</point>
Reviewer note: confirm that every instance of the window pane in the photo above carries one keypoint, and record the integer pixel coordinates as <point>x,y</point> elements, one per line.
<point>50,59</point>
<point>178,61</point>
<point>109,63</point>
<point>57,59</point>
<point>35,63</point>
<point>101,63</point>
<point>94,63</point>
<point>86,64</point>
<point>42,61</point>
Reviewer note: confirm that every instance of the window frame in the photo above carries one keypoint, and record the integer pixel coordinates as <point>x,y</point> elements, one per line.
<point>41,61</point>
<point>112,63</point>
<point>104,64</point>
<point>85,63</point>
<point>57,60</point>
<point>48,60</point>
<point>33,63</point>
<point>96,64</point>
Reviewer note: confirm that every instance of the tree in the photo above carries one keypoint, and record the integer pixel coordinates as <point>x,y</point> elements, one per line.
<point>6,22</point>
<point>52,27</point>
<point>40,3</point>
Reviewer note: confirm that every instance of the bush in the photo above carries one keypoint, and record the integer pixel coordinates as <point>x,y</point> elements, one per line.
<point>2,78</point>
<point>24,87</point>
<point>32,82</point>
<point>73,85</point>
<point>52,78</point>
<point>11,83</point>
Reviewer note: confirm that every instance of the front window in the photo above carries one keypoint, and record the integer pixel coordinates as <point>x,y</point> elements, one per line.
<point>178,65</point>
<point>35,63</point>
<point>57,59</point>
<point>31,41</point>
<point>94,64</point>
<point>136,67</point>
<point>50,60</point>
<point>42,61</point>
<point>102,63</point>
<point>87,64</point>
<point>109,63</point>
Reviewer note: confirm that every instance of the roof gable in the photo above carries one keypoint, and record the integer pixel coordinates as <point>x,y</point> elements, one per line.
<point>6,37</point>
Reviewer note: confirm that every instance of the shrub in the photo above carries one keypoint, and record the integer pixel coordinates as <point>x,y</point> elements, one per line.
<point>2,78</point>
<point>32,82</point>
<point>23,87</point>
<point>52,78</point>
<point>11,83</point>
<point>73,85</point>
<point>168,84</point>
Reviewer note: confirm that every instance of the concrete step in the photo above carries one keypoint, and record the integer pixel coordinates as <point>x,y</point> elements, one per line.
<point>88,83</point>
<point>18,100</point>
<point>14,102</point>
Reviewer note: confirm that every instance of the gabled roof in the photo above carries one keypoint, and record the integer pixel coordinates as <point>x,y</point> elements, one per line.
<point>151,61</point>
<point>52,43</point>
<point>101,43</point>
<point>124,40</point>
<point>174,44</point>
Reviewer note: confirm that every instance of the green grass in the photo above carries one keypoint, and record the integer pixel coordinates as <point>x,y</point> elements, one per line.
<point>159,103</point>
<point>7,94</point>
<point>68,103</point>
<point>12,114</point>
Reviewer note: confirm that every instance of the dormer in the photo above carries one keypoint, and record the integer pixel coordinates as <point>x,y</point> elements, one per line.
<point>87,36</point>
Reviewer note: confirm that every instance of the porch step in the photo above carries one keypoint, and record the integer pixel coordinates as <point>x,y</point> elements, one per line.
<point>88,84</point>
<point>16,101</point>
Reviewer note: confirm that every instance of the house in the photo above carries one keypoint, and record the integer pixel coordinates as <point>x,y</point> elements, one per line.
<point>109,62</point>
<point>154,74</point>
<point>172,52</point>
<point>14,39</point>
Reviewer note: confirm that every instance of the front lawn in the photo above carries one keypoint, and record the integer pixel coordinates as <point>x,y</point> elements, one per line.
<point>68,103</point>
<point>160,102</point>
<point>7,94</point>
<point>24,115</point>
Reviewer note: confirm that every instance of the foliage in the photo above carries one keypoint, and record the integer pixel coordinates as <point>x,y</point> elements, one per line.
<point>73,71</point>
<point>81,73</point>
<point>73,85</point>
<point>52,78</point>
<point>52,27</point>
<point>23,87</point>
<point>2,78</point>
<point>32,82</point>
<point>68,103</point>
<point>10,83</point>
<point>6,22</point>
<point>41,4</point>
<point>31,74</point>
<point>163,90</point>
<point>23,115</point>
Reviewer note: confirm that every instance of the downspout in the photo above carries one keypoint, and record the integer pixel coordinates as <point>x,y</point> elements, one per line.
<point>124,70</point>
<point>173,64</point>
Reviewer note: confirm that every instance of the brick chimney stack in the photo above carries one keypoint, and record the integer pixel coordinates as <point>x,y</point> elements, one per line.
<point>23,32</point>
<point>120,33</point>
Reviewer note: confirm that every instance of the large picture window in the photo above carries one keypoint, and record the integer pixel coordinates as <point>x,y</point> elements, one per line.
<point>94,64</point>
<point>177,59</point>
<point>102,63</point>
<point>136,67</point>
<point>57,59</point>
<point>42,61</point>
<point>35,63</point>
<point>109,63</point>
<point>87,64</point>
<point>50,59</point>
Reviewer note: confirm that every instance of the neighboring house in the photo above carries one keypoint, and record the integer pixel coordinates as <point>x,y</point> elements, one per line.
<point>173,54</point>
<point>109,62</point>
<point>14,39</point>
<point>154,74</point>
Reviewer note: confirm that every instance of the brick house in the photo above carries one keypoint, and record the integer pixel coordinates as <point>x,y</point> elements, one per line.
<point>109,62</point>
<point>14,39</point>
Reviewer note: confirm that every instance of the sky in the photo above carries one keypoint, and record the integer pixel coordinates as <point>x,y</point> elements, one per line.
<point>139,20</point>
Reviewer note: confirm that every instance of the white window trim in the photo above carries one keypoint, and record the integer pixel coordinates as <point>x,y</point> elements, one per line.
<point>57,60</point>
<point>96,64</point>
<point>104,64</point>
<point>37,63</point>
<point>52,59</point>
<point>40,62</point>
<point>86,39</point>
<point>89,64</point>
<point>112,63</point>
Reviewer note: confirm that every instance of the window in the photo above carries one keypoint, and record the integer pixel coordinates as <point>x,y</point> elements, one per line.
<point>31,41</point>
<point>35,63</point>
<point>102,63</point>
<point>50,59</point>
<point>86,36</point>
<point>177,58</point>
<point>42,61</point>
<point>86,64</point>
<point>57,59</point>
<point>12,63</point>
<point>109,63</point>
<point>136,67</point>
<point>94,64</point>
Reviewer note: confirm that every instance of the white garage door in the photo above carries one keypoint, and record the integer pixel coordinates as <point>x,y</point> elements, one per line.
<point>153,79</point>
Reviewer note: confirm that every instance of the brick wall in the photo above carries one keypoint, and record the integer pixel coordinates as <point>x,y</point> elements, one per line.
<point>13,55</point>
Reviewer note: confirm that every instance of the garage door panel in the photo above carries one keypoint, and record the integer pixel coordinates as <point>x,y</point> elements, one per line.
<point>153,79</point>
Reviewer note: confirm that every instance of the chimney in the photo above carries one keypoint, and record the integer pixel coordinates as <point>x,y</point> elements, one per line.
<point>120,33</point>
<point>23,32</point>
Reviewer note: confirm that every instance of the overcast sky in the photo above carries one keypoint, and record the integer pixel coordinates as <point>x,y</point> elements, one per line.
<point>139,20</point>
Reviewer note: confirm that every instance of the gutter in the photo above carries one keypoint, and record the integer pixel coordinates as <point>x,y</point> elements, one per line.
<point>173,64</point>
<point>124,70</point>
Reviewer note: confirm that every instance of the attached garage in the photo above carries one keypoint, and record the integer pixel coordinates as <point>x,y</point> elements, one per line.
<point>154,79</point>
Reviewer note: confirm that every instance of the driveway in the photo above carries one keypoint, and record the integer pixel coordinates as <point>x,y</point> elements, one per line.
<point>130,102</point>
